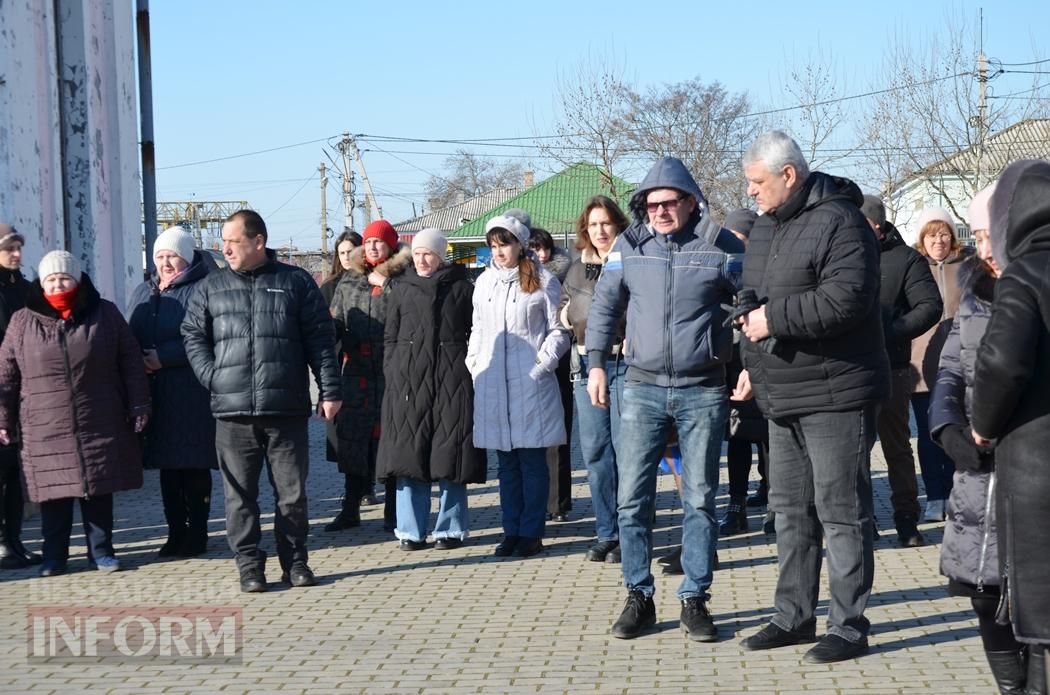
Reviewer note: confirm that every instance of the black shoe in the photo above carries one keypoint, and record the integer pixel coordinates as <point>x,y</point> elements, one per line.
<point>299,575</point>
<point>560,517</point>
<point>908,535</point>
<point>772,637</point>
<point>639,613</point>
<point>760,498</point>
<point>369,500</point>
<point>23,552</point>
<point>832,648</point>
<point>506,547</point>
<point>408,544</point>
<point>600,550</point>
<point>10,560</point>
<point>735,520</point>
<point>675,556</point>
<point>170,547</point>
<point>448,543</point>
<point>527,547</point>
<point>1036,681</point>
<point>1009,671</point>
<point>193,547</point>
<point>253,581</point>
<point>52,569</point>
<point>674,564</point>
<point>696,620</point>
<point>769,523</point>
<point>348,517</point>
<point>613,558</point>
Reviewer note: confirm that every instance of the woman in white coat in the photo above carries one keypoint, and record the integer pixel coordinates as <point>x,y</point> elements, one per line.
<point>515,345</point>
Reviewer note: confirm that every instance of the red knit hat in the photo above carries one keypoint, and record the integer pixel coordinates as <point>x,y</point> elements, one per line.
<point>381,229</point>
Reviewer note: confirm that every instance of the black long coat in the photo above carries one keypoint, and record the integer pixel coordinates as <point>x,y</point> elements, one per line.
<point>181,432</point>
<point>13,290</point>
<point>428,405</point>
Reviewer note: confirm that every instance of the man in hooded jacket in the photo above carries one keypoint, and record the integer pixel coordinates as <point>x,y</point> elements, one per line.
<point>671,271</point>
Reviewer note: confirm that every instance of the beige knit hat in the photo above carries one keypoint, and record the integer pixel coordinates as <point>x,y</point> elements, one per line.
<point>59,261</point>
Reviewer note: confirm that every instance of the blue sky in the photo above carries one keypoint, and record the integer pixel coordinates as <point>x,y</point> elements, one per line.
<point>234,77</point>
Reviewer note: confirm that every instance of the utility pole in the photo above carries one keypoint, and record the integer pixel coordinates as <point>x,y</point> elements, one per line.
<point>982,104</point>
<point>348,182</point>
<point>324,216</point>
<point>370,196</point>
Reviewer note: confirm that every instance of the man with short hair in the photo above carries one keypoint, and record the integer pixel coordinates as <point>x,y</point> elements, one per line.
<point>670,271</point>
<point>911,304</point>
<point>251,330</point>
<point>817,361</point>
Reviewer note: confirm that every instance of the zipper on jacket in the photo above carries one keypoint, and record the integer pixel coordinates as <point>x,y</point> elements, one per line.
<point>988,501</point>
<point>668,309</point>
<point>251,335</point>
<point>63,343</point>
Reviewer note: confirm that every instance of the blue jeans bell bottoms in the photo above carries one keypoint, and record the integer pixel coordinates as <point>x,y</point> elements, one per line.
<point>599,429</point>
<point>524,483</point>
<point>646,416</point>
<point>413,510</point>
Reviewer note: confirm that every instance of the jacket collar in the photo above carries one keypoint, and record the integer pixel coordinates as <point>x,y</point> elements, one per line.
<point>10,277</point>
<point>87,299</point>
<point>393,266</point>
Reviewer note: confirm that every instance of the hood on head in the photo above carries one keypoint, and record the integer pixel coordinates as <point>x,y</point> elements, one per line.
<point>1020,211</point>
<point>668,172</point>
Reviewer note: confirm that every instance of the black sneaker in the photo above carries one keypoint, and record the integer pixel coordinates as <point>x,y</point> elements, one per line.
<point>773,636</point>
<point>299,575</point>
<point>253,581</point>
<point>908,535</point>
<point>832,648</point>
<point>735,520</point>
<point>506,547</point>
<point>769,523</point>
<point>760,498</point>
<point>600,550</point>
<point>675,556</point>
<point>696,620</point>
<point>613,558</point>
<point>639,613</point>
<point>527,547</point>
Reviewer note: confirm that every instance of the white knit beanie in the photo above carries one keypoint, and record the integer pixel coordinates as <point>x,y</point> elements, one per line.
<point>432,239</point>
<point>59,262</point>
<point>512,225</point>
<point>177,240</point>
<point>931,214</point>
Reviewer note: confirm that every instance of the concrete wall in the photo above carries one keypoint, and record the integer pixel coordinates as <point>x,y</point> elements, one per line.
<point>69,135</point>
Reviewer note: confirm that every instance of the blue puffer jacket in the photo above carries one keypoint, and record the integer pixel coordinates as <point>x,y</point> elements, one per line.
<point>672,287</point>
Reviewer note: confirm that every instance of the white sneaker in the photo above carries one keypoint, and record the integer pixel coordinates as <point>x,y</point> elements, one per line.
<point>934,511</point>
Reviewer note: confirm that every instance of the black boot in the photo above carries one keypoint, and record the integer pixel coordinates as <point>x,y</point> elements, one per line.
<point>174,501</point>
<point>11,517</point>
<point>390,505</point>
<point>1008,669</point>
<point>735,520</point>
<point>198,508</point>
<point>350,515</point>
<point>1036,683</point>
<point>761,496</point>
<point>908,535</point>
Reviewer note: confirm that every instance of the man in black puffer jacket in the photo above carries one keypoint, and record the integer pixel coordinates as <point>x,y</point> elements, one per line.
<point>911,304</point>
<point>816,357</point>
<point>251,331</point>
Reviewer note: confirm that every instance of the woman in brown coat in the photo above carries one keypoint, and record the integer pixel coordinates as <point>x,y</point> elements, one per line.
<point>73,386</point>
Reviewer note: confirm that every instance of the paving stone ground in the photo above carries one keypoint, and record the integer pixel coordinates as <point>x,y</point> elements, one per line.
<point>462,621</point>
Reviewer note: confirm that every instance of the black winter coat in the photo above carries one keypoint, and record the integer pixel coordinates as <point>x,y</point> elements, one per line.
<point>13,290</point>
<point>331,441</point>
<point>1011,401</point>
<point>911,302</point>
<point>428,405</point>
<point>181,432</point>
<point>251,337</point>
<point>817,261</point>
<point>360,315</point>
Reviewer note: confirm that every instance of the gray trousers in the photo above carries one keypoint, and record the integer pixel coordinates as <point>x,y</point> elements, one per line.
<point>820,486</point>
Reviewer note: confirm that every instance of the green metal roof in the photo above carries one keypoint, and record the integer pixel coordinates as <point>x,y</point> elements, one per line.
<point>554,203</point>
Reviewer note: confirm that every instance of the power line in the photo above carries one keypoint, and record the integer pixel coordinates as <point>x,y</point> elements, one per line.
<point>1031,62</point>
<point>297,192</point>
<point>245,154</point>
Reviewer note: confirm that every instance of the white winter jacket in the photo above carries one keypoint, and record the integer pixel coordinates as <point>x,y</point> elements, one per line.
<point>515,344</point>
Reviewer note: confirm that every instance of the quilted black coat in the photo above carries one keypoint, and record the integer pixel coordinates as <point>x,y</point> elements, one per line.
<point>13,290</point>
<point>817,261</point>
<point>428,406</point>
<point>181,432</point>
<point>251,335</point>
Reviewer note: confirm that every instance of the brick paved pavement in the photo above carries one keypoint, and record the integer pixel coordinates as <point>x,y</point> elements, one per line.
<point>386,621</point>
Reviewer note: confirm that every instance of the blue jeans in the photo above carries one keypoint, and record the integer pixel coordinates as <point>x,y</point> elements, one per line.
<point>820,485</point>
<point>646,416</point>
<point>599,430</point>
<point>524,483</point>
<point>413,510</point>
<point>938,469</point>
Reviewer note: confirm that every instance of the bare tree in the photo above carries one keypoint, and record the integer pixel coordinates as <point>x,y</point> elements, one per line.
<point>469,175</point>
<point>704,125</point>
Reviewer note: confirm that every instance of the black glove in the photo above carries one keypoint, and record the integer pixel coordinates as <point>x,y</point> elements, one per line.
<point>959,445</point>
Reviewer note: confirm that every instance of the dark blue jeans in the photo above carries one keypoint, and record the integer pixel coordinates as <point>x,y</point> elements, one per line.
<point>524,483</point>
<point>938,469</point>
<point>56,525</point>
<point>599,430</point>
<point>820,485</point>
<point>646,416</point>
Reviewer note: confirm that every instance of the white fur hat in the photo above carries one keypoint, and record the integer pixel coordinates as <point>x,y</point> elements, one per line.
<point>931,214</point>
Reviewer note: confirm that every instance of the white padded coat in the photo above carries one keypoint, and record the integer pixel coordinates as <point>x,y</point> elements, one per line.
<point>515,344</point>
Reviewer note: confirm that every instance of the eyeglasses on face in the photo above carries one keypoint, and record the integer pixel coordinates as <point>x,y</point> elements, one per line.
<point>670,204</point>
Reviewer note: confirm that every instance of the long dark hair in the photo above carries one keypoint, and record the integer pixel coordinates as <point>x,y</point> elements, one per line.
<point>337,268</point>
<point>583,237</point>
<point>528,273</point>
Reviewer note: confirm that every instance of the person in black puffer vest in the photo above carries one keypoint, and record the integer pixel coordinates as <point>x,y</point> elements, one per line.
<point>180,438</point>
<point>253,331</point>
<point>428,403</point>
<point>911,304</point>
<point>13,290</point>
<point>814,260</point>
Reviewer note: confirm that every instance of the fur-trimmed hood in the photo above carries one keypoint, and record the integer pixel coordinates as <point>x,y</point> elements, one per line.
<point>559,263</point>
<point>1020,211</point>
<point>393,266</point>
<point>975,277</point>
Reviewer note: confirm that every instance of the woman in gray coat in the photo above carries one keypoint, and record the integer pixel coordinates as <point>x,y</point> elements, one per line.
<point>515,344</point>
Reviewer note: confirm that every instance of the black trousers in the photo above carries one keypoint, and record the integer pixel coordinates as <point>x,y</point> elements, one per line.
<point>738,461</point>
<point>56,525</point>
<point>11,498</point>
<point>243,445</point>
<point>559,458</point>
<point>186,494</point>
